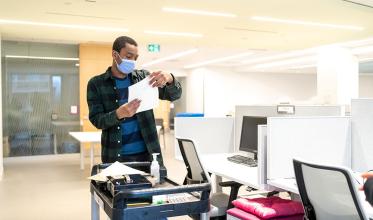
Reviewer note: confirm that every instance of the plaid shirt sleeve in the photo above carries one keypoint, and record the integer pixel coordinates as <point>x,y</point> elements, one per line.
<point>97,115</point>
<point>171,92</point>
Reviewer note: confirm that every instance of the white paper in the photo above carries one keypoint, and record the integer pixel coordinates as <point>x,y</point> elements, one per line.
<point>114,170</point>
<point>144,92</point>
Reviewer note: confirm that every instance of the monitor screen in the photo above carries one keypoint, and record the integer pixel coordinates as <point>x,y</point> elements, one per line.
<point>249,133</point>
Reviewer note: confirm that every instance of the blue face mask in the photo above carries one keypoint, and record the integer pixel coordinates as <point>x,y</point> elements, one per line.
<point>126,66</point>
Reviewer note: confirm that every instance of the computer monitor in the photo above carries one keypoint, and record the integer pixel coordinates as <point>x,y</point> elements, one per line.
<point>249,134</point>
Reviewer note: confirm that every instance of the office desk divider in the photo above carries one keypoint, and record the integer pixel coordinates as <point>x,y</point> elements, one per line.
<point>325,140</point>
<point>262,156</point>
<point>271,111</point>
<point>211,135</point>
<point>362,134</point>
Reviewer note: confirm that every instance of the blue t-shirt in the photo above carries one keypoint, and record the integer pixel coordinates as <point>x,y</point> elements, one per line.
<point>132,141</point>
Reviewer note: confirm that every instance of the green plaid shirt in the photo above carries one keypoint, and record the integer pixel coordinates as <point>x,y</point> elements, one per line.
<point>102,98</point>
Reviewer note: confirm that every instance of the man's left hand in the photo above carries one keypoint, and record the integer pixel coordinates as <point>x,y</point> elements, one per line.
<point>160,79</point>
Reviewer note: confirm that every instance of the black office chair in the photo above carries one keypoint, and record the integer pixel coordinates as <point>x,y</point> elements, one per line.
<point>328,192</point>
<point>220,202</point>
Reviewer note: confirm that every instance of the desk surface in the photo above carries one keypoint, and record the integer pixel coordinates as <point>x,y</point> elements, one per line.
<point>219,165</point>
<point>87,136</point>
<point>289,185</point>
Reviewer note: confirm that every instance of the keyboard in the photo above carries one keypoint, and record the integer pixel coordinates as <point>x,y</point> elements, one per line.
<point>243,160</point>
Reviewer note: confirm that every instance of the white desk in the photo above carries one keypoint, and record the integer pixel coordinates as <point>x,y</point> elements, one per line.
<point>219,165</point>
<point>60,124</point>
<point>289,185</point>
<point>93,138</point>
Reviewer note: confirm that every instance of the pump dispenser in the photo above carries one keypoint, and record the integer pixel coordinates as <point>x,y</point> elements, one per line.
<point>154,168</point>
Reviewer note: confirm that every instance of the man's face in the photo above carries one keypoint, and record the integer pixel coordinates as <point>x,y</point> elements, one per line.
<point>128,52</point>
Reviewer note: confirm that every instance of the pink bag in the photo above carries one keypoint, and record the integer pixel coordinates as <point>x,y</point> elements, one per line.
<point>269,208</point>
<point>238,213</point>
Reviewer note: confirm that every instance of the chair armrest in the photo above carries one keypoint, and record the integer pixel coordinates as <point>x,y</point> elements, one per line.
<point>230,184</point>
<point>234,191</point>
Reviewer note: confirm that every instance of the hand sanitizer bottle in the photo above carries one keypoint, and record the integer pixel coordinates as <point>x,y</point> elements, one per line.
<point>154,168</point>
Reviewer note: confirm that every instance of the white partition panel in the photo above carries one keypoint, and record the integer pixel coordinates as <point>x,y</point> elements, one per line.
<point>271,111</point>
<point>362,134</point>
<point>325,140</point>
<point>1,121</point>
<point>262,154</point>
<point>211,135</point>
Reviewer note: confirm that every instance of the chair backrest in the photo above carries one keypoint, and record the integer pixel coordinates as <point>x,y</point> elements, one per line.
<point>328,192</point>
<point>196,172</point>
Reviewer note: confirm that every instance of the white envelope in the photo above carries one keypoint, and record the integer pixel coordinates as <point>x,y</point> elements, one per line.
<point>148,95</point>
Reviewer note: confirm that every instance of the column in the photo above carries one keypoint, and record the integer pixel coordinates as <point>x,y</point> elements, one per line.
<point>337,76</point>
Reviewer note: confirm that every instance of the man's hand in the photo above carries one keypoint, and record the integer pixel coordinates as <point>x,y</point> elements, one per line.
<point>160,79</point>
<point>366,175</point>
<point>127,110</point>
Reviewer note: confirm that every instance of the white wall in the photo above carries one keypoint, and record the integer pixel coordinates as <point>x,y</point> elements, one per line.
<point>223,89</point>
<point>194,91</point>
<point>1,121</point>
<point>366,86</point>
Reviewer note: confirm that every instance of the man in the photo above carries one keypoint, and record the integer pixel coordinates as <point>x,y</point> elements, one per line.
<point>126,135</point>
<point>368,186</point>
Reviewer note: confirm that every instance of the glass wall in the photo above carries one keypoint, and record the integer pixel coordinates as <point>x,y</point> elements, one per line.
<point>40,96</point>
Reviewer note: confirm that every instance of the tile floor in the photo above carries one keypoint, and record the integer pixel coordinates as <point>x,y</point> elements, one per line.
<point>53,187</point>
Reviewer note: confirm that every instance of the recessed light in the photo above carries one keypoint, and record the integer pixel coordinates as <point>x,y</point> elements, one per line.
<point>207,62</point>
<point>176,34</point>
<point>282,56</point>
<point>42,58</point>
<point>198,12</point>
<point>362,50</point>
<point>174,56</point>
<point>303,66</point>
<point>70,26</point>
<point>301,60</point>
<point>307,23</point>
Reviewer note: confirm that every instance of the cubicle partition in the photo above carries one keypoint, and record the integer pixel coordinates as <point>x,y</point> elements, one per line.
<point>210,135</point>
<point>321,140</point>
<point>271,111</point>
<point>362,134</point>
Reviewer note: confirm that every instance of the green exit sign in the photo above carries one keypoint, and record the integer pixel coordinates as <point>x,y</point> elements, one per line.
<point>154,48</point>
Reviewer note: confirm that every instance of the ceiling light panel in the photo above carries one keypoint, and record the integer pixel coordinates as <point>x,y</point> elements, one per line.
<point>207,62</point>
<point>175,34</point>
<point>68,26</point>
<point>362,50</point>
<point>198,12</point>
<point>282,56</point>
<point>174,56</point>
<point>307,23</point>
<point>295,61</point>
<point>42,58</point>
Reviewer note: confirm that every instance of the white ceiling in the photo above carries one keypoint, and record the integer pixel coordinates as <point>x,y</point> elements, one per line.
<point>222,36</point>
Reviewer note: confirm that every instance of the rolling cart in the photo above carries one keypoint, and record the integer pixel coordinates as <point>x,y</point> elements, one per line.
<point>118,207</point>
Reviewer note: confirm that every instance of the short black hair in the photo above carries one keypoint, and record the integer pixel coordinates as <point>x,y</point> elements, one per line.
<point>121,41</point>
